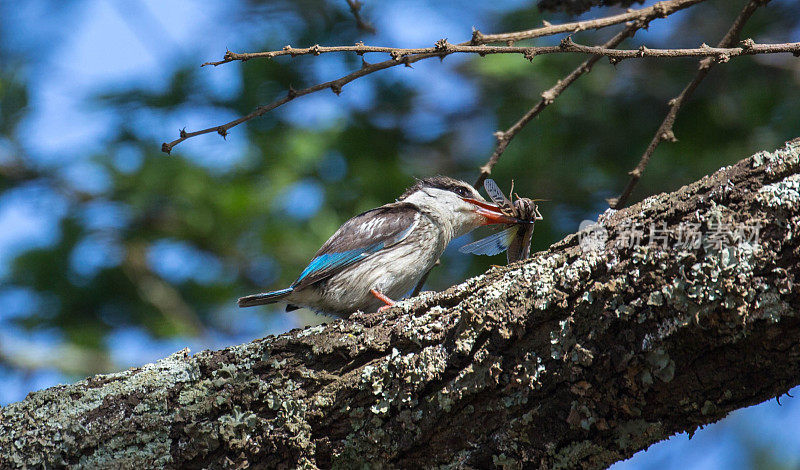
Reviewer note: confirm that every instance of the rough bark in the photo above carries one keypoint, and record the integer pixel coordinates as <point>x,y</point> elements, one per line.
<point>573,359</point>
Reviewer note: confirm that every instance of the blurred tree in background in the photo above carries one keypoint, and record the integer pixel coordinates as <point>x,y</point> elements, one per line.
<point>113,253</point>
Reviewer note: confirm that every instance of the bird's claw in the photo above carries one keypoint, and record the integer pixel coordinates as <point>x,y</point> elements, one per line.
<point>380,296</point>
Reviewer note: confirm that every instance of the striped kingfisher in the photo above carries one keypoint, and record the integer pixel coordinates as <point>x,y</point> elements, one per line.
<point>382,254</point>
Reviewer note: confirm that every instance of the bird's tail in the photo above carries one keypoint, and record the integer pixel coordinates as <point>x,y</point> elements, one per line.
<point>264,298</point>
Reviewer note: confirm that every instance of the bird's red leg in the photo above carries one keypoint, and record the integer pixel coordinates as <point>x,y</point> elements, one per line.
<point>389,302</point>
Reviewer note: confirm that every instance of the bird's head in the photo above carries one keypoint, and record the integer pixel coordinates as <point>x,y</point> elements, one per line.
<point>456,204</point>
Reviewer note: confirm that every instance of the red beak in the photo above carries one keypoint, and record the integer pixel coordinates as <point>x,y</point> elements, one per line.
<point>492,213</point>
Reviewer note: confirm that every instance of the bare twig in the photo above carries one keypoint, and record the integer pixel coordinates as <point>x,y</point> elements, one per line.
<point>504,137</point>
<point>660,9</point>
<point>664,131</point>
<point>355,8</point>
<point>443,48</point>
<point>334,85</point>
<point>548,96</point>
<point>657,10</point>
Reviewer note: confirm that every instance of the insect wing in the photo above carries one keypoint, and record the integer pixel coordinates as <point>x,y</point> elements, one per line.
<point>493,244</point>
<point>497,195</point>
<point>520,246</point>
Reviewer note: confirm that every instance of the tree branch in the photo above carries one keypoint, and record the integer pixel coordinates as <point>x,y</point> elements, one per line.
<point>567,45</point>
<point>355,9</point>
<point>504,138</point>
<point>659,10</point>
<point>577,358</point>
<point>664,132</point>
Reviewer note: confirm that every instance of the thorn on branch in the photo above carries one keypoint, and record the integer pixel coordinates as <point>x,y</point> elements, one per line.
<point>747,43</point>
<point>182,133</point>
<point>360,44</point>
<point>223,132</point>
<point>477,37</point>
<point>614,60</point>
<point>500,136</point>
<point>336,88</point>
<point>546,23</point>
<point>530,54</point>
<point>315,49</point>
<point>642,51</point>
<point>396,55</point>
<point>407,62</point>
<point>442,45</point>
<point>166,148</point>
<point>566,43</point>
<point>549,96</point>
<point>668,136</point>
<point>292,93</point>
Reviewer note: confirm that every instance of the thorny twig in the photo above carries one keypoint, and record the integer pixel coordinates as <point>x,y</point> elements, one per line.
<point>504,137</point>
<point>443,48</point>
<point>660,9</point>
<point>664,131</point>
<point>363,25</point>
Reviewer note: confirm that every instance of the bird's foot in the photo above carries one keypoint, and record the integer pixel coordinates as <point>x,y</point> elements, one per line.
<point>389,302</point>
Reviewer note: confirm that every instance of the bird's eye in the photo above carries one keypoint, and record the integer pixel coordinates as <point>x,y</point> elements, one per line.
<point>463,192</point>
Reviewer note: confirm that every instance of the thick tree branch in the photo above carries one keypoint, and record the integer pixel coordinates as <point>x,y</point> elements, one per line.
<point>664,132</point>
<point>577,358</point>
<point>643,16</point>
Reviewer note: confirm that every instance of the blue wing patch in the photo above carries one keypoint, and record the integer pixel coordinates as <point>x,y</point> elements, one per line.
<point>334,261</point>
<point>493,244</point>
<point>358,238</point>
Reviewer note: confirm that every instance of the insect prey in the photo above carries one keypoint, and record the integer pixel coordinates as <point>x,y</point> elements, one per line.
<point>515,239</point>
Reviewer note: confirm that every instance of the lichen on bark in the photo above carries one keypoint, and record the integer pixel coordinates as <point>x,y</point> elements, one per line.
<point>578,357</point>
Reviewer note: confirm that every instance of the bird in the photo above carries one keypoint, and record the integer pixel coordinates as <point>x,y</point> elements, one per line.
<point>381,254</point>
